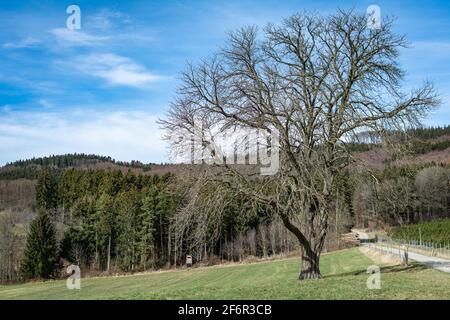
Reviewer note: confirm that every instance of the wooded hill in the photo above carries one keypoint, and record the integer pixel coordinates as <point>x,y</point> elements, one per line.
<point>29,169</point>
<point>127,217</point>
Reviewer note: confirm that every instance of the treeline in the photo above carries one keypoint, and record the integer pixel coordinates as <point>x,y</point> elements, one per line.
<point>101,220</point>
<point>61,161</point>
<point>401,196</point>
<point>424,146</point>
<point>29,169</point>
<point>430,132</point>
<point>109,219</point>
<point>419,140</point>
<point>9,173</point>
<point>414,147</point>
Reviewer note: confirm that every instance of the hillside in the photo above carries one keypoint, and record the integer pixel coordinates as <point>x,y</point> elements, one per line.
<point>344,274</point>
<point>87,193</point>
<point>17,179</point>
<point>426,145</point>
<point>29,168</point>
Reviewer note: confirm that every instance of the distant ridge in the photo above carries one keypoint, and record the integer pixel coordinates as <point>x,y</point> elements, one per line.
<point>424,145</point>
<point>74,160</point>
<point>29,168</point>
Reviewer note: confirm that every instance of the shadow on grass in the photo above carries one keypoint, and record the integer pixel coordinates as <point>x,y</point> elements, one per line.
<point>385,269</point>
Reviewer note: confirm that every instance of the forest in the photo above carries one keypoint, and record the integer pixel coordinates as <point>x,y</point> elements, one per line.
<point>107,221</point>
<point>111,222</point>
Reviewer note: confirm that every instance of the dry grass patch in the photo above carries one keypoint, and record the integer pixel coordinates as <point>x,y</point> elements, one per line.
<point>381,257</point>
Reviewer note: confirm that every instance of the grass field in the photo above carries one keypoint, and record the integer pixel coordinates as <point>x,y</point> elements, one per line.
<point>344,278</point>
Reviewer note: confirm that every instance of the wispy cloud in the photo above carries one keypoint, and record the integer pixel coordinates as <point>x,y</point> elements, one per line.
<point>77,37</point>
<point>106,19</point>
<point>115,69</point>
<point>28,42</point>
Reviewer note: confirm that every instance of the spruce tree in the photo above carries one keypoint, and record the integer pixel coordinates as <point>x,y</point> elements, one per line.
<point>47,190</point>
<point>40,255</point>
<point>106,227</point>
<point>146,233</point>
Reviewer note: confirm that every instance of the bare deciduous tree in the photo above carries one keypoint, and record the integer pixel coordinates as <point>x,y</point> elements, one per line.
<point>11,245</point>
<point>432,188</point>
<point>318,81</point>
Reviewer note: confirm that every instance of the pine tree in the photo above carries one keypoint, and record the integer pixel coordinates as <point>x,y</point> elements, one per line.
<point>106,224</point>
<point>47,190</point>
<point>147,231</point>
<point>128,213</point>
<point>40,256</point>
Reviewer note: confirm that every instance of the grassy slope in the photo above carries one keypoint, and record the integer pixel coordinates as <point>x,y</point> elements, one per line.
<point>344,278</point>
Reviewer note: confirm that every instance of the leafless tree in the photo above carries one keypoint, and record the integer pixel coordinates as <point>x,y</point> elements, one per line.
<point>319,81</point>
<point>273,237</point>
<point>251,241</point>
<point>263,237</point>
<point>198,222</point>
<point>11,245</point>
<point>432,186</point>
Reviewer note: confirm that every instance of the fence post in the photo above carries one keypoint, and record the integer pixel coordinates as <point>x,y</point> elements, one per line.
<point>420,236</point>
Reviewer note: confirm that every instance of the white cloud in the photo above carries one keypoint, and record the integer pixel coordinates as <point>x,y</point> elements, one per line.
<point>106,18</point>
<point>76,37</point>
<point>116,70</point>
<point>124,136</point>
<point>24,43</point>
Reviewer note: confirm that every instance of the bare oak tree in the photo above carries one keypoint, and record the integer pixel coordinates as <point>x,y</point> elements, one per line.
<point>317,80</point>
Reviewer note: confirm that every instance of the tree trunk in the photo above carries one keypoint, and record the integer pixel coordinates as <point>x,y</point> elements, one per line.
<point>310,265</point>
<point>109,253</point>
<point>310,256</point>
<point>175,252</point>
<point>169,247</point>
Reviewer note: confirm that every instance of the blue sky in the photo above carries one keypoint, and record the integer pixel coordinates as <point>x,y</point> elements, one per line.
<point>101,89</point>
